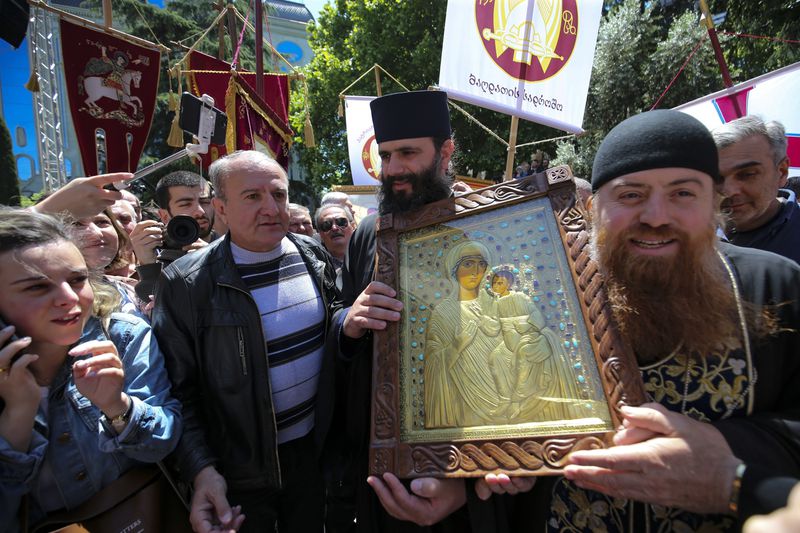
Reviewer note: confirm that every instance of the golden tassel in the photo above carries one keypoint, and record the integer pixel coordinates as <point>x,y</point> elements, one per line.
<point>340,111</point>
<point>33,82</point>
<point>172,103</point>
<point>308,132</point>
<point>175,138</point>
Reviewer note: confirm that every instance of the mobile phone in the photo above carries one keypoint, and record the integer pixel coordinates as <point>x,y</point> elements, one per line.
<point>11,339</point>
<point>189,120</point>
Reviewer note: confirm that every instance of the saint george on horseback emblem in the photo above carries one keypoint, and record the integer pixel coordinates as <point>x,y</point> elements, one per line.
<point>111,84</point>
<point>530,40</point>
<point>113,77</point>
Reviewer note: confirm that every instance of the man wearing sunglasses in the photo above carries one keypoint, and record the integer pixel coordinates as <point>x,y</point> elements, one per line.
<point>335,225</point>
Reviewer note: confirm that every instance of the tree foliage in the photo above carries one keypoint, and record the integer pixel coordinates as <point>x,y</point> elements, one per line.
<point>9,185</point>
<point>405,38</point>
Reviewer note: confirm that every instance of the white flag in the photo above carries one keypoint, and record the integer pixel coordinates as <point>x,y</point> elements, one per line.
<point>365,163</point>
<point>528,58</point>
<point>772,96</point>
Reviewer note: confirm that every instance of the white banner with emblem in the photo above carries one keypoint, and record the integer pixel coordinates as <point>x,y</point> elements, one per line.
<point>365,163</point>
<point>528,58</point>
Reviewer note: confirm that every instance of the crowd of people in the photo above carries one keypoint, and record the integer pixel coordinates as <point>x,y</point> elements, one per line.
<point>240,357</point>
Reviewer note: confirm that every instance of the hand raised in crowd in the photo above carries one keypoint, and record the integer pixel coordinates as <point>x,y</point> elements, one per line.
<point>429,501</point>
<point>657,451</point>
<point>372,309</point>
<point>145,238</point>
<point>84,197</point>
<point>211,511</point>
<point>19,391</point>
<point>101,378</point>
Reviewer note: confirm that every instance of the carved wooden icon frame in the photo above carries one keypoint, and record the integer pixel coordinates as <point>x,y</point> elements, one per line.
<point>469,383</point>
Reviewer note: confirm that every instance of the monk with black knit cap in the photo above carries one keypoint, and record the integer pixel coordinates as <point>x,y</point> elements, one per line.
<point>715,330</point>
<point>413,133</point>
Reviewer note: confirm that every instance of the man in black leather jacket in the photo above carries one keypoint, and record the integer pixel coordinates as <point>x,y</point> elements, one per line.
<point>242,325</point>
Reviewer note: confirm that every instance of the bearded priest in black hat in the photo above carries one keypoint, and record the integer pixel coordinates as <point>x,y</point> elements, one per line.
<point>413,133</point>
<point>716,332</point>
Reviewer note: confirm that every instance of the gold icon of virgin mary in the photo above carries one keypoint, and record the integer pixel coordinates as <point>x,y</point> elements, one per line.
<point>490,357</point>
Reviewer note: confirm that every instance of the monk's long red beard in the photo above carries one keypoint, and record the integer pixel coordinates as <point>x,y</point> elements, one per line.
<point>661,302</point>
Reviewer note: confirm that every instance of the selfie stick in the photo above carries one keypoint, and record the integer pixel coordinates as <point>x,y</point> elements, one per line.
<point>206,128</point>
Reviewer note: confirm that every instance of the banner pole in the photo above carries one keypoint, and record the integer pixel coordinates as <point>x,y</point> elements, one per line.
<point>232,30</point>
<point>512,149</point>
<point>723,66</point>
<point>220,32</point>
<point>378,80</point>
<point>80,21</point>
<point>260,48</point>
<point>107,14</point>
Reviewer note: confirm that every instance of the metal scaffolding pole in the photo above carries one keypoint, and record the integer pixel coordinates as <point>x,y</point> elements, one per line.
<point>44,38</point>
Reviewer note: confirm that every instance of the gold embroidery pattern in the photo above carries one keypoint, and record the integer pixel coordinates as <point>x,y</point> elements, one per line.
<point>586,511</point>
<point>704,388</point>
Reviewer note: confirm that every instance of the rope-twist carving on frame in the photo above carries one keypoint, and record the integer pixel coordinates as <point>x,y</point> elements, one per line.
<point>590,284</point>
<point>510,456</point>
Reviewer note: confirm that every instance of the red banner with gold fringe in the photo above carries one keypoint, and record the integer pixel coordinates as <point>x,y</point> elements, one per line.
<point>260,122</point>
<point>253,125</point>
<point>112,86</point>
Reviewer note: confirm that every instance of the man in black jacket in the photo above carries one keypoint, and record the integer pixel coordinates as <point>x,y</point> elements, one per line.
<point>413,134</point>
<point>242,325</point>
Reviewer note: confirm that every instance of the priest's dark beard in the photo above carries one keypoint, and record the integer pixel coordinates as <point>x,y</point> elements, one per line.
<point>428,186</point>
<point>661,302</point>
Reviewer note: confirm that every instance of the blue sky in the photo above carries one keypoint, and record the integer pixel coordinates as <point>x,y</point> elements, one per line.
<point>315,6</point>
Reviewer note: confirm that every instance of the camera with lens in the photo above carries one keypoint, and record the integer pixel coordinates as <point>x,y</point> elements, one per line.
<point>182,230</point>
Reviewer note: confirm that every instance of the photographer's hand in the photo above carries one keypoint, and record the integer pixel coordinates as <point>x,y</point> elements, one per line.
<point>145,238</point>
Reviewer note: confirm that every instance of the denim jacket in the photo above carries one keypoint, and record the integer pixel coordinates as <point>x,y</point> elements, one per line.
<point>74,453</point>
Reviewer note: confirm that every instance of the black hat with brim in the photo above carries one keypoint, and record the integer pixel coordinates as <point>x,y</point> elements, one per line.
<point>410,115</point>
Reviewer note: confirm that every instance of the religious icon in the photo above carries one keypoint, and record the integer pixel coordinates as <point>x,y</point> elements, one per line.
<point>494,350</point>
<point>490,356</point>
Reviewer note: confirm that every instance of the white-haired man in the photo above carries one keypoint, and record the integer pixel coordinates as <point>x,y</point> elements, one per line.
<point>242,324</point>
